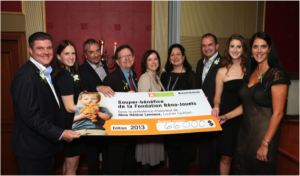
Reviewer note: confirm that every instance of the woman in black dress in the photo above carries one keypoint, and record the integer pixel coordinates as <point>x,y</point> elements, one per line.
<point>67,83</point>
<point>179,76</point>
<point>228,82</point>
<point>263,99</point>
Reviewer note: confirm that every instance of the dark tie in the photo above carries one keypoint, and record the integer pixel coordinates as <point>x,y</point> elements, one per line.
<point>131,83</point>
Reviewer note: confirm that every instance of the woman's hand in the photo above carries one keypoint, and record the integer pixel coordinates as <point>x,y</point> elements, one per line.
<point>262,152</point>
<point>215,112</point>
<point>222,119</point>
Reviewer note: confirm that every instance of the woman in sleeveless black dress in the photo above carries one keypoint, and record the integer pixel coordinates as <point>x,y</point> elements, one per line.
<point>263,100</point>
<point>228,82</point>
<point>67,83</point>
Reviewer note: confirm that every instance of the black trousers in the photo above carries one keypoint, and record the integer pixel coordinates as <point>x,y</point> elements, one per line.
<point>93,146</point>
<point>208,157</point>
<point>41,166</point>
<point>121,159</point>
<point>181,149</point>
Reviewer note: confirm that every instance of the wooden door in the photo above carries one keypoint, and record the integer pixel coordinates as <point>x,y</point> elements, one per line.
<point>13,56</point>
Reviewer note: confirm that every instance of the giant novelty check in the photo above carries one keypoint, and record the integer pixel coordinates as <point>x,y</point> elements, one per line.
<point>148,113</point>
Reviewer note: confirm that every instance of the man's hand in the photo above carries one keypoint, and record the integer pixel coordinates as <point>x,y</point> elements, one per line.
<point>106,90</point>
<point>131,91</point>
<point>69,135</point>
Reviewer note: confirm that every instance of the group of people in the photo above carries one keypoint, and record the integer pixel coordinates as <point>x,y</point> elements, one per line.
<point>246,90</point>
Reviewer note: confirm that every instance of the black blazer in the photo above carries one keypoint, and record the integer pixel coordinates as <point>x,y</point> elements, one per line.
<point>115,81</point>
<point>38,122</point>
<point>89,77</point>
<point>209,84</point>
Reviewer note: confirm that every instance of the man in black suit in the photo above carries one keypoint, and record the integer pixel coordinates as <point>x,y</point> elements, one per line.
<point>39,124</point>
<point>93,71</point>
<point>206,72</point>
<point>121,149</point>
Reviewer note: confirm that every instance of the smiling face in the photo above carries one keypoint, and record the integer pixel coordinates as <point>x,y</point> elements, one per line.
<point>176,57</point>
<point>152,62</point>
<point>260,50</point>
<point>86,99</point>
<point>93,53</point>
<point>235,49</point>
<point>42,52</point>
<point>125,59</point>
<point>209,47</point>
<point>67,57</point>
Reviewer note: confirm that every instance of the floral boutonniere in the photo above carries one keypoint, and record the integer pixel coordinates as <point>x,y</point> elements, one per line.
<point>126,85</point>
<point>261,76</point>
<point>164,70</point>
<point>217,61</point>
<point>75,77</point>
<point>42,75</point>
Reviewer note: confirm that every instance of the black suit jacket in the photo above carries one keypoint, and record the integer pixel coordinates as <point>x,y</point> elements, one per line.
<point>38,122</point>
<point>209,84</point>
<point>115,81</point>
<point>89,77</point>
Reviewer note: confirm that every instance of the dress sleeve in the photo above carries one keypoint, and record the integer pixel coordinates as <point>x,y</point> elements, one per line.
<point>65,84</point>
<point>279,76</point>
<point>194,81</point>
<point>164,79</point>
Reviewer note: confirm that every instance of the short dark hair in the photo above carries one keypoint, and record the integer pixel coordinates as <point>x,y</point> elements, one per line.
<point>89,41</point>
<point>211,35</point>
<point>169,65</point>
<point>144,60</point>
<point>123,47</point>
<point>39,36</point>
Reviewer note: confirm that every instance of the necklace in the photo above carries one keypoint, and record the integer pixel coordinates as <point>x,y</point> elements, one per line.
<point>174,82</point>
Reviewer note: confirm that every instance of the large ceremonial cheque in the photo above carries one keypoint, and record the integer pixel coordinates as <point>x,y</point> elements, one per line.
<point>144,113</point>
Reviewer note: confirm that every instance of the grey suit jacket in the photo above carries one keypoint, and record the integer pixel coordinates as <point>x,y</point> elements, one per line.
<point>147,83</point>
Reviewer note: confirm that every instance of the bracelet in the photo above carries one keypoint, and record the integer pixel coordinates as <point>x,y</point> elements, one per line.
<point>267,141</point>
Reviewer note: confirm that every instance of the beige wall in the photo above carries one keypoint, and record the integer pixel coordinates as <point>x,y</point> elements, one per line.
<point>32,19</point>
<point>220,18</point>
<point>160,29</point>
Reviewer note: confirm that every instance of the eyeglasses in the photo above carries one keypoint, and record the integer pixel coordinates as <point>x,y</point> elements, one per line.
<point>125,56</point>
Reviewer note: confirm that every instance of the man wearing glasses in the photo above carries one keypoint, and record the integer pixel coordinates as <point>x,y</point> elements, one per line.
<point>121,149</point>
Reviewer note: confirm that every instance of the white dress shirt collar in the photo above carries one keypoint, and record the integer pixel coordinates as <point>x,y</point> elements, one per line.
<point>43,69</point>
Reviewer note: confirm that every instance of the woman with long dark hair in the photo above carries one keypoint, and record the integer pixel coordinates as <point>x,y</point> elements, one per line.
<point>179,76</point>
<point>263,99</point>
<point>67,83</point>
<point>228,82</point>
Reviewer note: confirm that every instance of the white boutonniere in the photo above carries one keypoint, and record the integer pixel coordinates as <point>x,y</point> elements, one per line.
<point>261,76</point>
<point>75,77</point>
<point>217,61</point>
<point>126,85</point>
<point>164,70</point>
<point>42,75</point>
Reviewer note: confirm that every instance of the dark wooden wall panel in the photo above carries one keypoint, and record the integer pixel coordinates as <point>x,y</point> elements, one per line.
<point>13,56</point>
<point>288,150</point>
